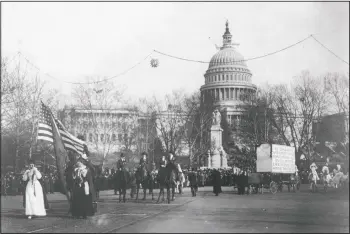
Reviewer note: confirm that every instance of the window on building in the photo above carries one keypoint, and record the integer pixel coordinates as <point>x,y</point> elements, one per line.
<point>102,137</point>
<point>113,137</point>
<point>90,137</point>
<point>120,137</point>
<point>96,137</point>
<point>107,137</point>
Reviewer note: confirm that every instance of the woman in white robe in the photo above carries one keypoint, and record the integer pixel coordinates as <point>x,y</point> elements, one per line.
<point>34,204</point>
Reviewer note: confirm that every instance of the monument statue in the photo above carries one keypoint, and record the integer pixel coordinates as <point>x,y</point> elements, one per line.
<point>216,117</point>
<point>217,157</point>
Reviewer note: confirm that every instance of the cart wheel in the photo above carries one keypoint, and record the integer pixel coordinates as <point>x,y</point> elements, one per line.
<point>273,187</point>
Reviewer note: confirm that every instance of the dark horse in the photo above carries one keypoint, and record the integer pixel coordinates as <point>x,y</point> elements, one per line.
<point>122,178</point>
<point>142,177</point>
<point>167,178</point>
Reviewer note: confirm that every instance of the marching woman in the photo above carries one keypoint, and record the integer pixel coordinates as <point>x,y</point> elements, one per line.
<point>83,194</point>
<point>216,178</point>
<point>34,197</point>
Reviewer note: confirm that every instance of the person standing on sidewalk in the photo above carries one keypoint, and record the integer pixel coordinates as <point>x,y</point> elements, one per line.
<point>34,198</point>
<point>216,177</point>
<point>133,182</point>
<point>193,178</point>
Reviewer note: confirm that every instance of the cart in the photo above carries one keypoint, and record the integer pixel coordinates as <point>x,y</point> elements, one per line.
<point>258,182</point>
<point>275,168</point>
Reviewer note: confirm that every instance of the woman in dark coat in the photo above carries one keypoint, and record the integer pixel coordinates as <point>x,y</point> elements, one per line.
<point>216,178</point>
<point>83,192</point>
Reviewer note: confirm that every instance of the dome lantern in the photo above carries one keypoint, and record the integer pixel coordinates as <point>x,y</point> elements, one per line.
<point>227,38</point>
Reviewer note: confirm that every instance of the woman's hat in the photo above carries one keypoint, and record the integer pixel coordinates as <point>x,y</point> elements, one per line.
<point>31,161</point>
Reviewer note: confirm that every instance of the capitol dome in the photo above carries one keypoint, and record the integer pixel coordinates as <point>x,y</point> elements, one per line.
<point>228,56</point>
<point>228,80</point>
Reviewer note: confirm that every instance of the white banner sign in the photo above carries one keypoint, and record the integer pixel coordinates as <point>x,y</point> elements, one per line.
<point>283,159</point>
<point>263,160</point>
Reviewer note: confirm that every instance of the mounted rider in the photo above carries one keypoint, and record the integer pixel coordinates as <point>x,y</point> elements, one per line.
<point>121,162</point>
<point>163,162</point>
<point>121,178</point>
<point>172,165</point>
<point>313,175</point>
<point>143,160</point>
<point>142,176</point>
<point>172,169</point>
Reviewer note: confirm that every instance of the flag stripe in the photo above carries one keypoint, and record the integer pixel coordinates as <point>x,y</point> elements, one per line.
<point>49,139</point>
<point>45,131</point>
<point>42,125</point>
<point>45,135</point>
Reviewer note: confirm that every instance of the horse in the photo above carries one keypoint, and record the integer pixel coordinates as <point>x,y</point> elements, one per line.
<point>122,178</point>
<point>326,180</point>
<point>142,178</point>
<point>294,182</point>
<point>339,179</point>
<point>313,177</point>
<point>151,182</point>
<point>171,179</point>
<point>161,179</point>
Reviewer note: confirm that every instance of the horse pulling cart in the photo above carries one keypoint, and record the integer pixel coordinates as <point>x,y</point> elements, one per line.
<point>258,182</point>
<point>275,168</point>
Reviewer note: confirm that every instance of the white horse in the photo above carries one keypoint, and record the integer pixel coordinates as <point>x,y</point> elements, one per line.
<point>339,179</point>
<point>313,178</point>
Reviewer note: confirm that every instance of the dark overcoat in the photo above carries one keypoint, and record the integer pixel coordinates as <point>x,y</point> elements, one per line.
<point>216,178</point>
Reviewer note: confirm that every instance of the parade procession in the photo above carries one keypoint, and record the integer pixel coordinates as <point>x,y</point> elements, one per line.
<point>180,117</point>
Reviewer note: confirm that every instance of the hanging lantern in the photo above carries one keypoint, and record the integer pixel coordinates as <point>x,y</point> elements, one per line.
<point>154,63</point>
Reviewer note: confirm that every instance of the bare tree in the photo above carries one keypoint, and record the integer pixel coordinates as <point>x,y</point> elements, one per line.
<point>171,121</point>
<point>298,106</point>
<point>21,94</point>
<point>198,122</point>
<point>337,85</point>
<point>100,100</point>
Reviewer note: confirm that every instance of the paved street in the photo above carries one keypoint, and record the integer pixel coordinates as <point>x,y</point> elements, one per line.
<point>282,212</point>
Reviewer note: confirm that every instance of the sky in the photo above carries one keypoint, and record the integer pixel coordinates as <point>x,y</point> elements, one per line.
<point>72,41</point>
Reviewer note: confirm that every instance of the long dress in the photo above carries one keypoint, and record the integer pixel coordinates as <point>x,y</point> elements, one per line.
<point>34,198</point>
<point>81,203</point>
<point>216,182</point>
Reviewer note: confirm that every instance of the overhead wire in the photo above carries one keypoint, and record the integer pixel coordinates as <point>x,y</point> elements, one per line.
<point>237,61</point>
<point>93,82</point>
<point>184,59</point>
<point>329,50</point>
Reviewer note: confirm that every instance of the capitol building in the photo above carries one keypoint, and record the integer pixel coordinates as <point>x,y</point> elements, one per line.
<point>228,87</point>
<point>228,81</point>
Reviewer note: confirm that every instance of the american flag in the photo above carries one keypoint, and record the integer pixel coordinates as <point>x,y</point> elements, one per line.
<point>70,142</point>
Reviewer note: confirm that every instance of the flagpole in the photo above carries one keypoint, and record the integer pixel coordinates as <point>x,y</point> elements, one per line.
<point>58,146</point>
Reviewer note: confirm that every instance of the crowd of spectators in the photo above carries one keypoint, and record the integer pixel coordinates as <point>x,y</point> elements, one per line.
<point>12,183</point>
